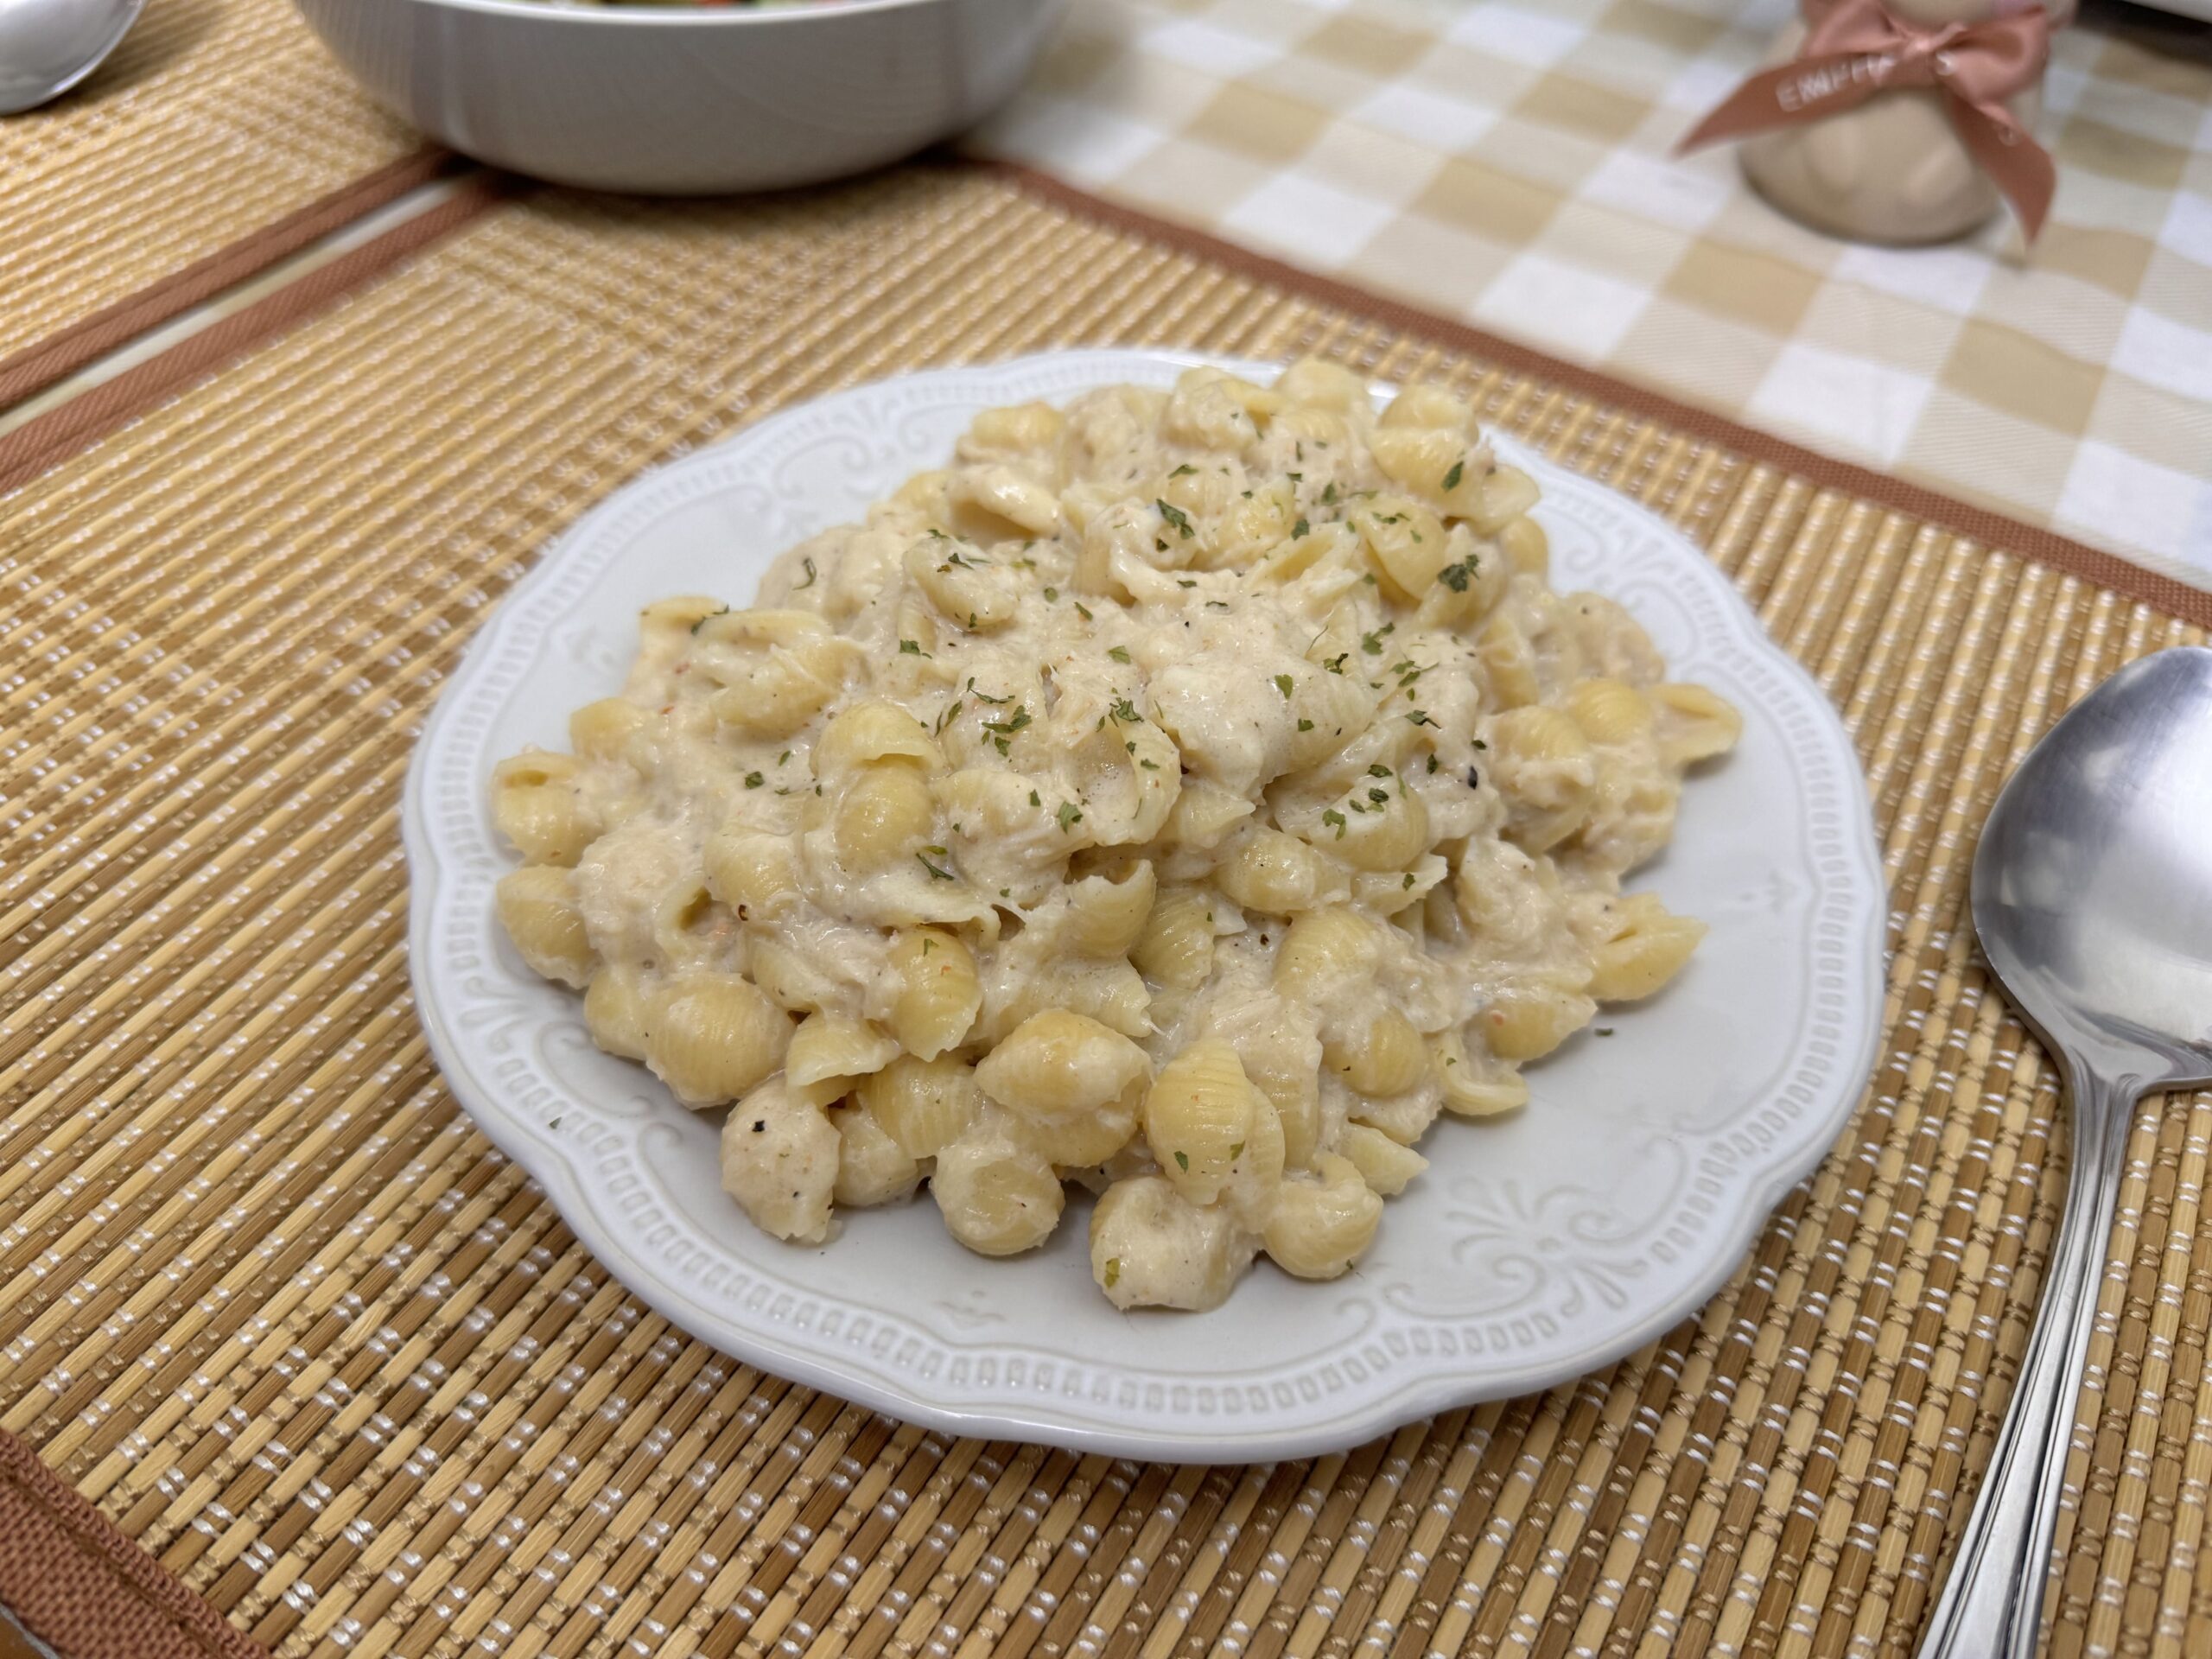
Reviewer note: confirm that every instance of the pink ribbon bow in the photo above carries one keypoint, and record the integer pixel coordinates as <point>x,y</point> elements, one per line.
<point>1855,48</point>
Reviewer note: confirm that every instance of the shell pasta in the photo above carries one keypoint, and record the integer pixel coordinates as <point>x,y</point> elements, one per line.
<point>1189,794</point>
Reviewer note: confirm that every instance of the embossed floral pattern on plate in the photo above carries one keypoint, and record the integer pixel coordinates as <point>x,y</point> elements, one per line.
<point>1535,1248</point>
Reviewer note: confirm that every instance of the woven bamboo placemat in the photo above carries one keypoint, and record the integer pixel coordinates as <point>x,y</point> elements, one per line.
<point>282,1317</point>
<point>219,138</point>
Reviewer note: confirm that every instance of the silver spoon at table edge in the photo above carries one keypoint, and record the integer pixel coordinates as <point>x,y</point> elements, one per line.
<point>2093,899</point>
<point>48,46</point>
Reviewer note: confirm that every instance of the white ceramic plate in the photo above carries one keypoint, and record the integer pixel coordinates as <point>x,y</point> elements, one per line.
<point>1534,1249</point>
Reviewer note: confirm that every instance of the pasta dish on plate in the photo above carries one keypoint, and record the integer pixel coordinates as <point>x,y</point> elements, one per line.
<point>1189,794</point>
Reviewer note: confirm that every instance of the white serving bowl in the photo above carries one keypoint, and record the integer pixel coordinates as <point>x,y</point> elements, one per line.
<point>683,99</point>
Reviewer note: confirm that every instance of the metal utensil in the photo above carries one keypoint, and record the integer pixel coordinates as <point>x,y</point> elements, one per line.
<point>48,46</point>
<point>2093,897</point>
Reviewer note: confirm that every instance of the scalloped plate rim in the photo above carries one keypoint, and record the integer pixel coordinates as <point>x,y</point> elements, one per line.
<point>1213,1441</point>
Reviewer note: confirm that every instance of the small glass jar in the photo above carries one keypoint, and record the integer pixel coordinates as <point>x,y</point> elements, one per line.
<point>1894,169</point>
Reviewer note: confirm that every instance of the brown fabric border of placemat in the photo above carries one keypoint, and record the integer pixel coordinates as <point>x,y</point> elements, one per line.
<point>87,1591</point>
<point>1977,524</point>
<point>13,1644</point>
<point>45,361</point>
<point>86,418</point>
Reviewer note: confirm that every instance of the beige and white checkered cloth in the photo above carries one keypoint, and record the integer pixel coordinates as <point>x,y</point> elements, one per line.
<point>1510,165</point>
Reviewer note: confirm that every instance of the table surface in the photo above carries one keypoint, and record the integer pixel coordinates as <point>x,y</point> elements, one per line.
<point>1512,165</point>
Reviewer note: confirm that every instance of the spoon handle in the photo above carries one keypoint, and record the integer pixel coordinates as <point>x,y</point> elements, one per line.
<point>1991,1604</point>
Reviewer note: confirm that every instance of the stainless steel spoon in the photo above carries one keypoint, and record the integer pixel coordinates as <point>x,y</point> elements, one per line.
<point>48,46</point>
<point>2093,897</point>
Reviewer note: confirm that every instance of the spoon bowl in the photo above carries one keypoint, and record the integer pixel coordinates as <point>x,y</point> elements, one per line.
<point>48,46</point>
<point>2093,883</point>
<point>2093,900</point>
